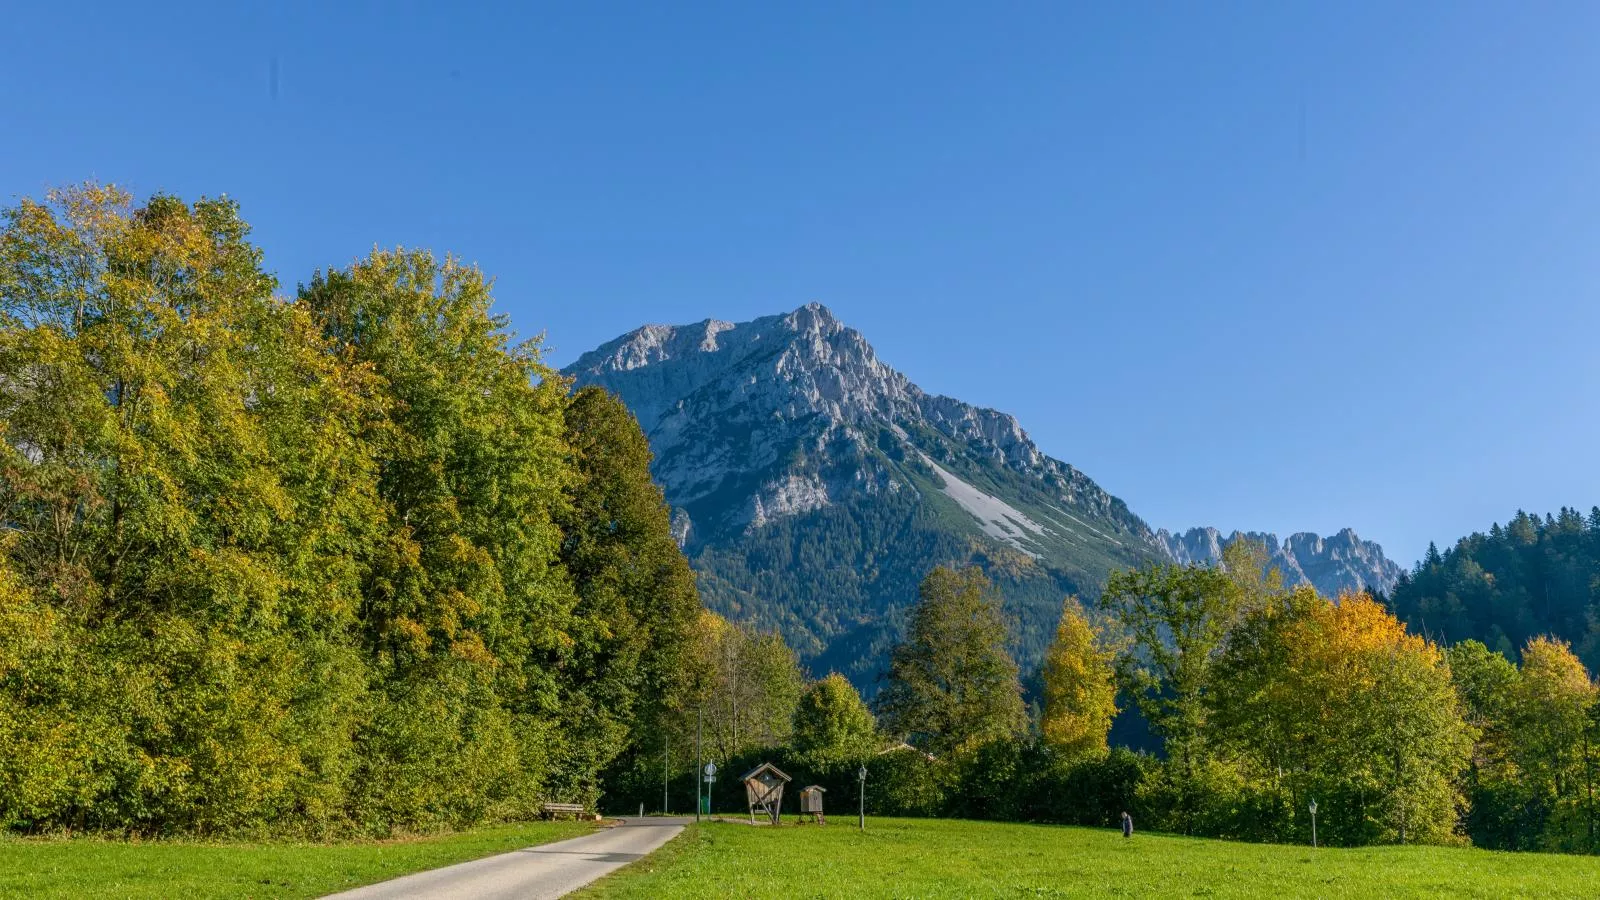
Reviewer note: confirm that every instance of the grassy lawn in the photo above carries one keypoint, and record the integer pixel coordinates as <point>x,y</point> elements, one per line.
<point>87,867</point>
<point>940,858</point>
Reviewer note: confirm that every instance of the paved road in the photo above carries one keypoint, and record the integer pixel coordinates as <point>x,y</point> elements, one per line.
<point>533,873</point>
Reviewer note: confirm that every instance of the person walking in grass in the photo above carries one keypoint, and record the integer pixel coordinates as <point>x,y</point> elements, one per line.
<point>1127,825</point>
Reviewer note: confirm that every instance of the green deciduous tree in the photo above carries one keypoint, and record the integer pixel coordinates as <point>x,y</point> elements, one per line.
<point>1496,805</point>
<point>466,611</point>
<point>750,685</point>
<point>1551,705</point>
<point>833,729</point>
<point>631,664</point>
<point>355,561</point>
<point>952,684</point>
<point>185,499</point>
<point>1178,618</point>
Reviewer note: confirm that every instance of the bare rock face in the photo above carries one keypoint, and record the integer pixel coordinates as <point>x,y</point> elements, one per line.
<point>796,411</point>
<point>1339,563</point>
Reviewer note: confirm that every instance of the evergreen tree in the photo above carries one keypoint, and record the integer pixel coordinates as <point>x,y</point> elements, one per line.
<point>1537,575</point>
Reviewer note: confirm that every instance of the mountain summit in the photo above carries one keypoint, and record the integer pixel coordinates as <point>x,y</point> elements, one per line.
<point>813,485</point>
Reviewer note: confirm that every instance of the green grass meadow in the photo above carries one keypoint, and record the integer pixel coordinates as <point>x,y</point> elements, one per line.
<point>944,858</point>
<point>89,867</point>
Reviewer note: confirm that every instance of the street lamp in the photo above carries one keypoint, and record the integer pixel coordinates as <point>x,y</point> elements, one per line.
<point>861,777</point>
<point>1313,823</point>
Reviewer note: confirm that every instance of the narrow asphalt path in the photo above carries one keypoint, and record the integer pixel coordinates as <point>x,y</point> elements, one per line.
<point>532,873</point>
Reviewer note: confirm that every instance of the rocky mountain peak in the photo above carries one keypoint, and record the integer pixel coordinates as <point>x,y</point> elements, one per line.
<point>1339,563</point>
<point>791,396</point>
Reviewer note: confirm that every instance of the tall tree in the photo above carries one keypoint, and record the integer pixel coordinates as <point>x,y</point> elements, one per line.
<point>750,685</point>
<point>637,603</point>
<point>1485,681</point>
<point>1080,690</point>
<point>1178,618</point>
<point>951,684</point>
<point>466,609</point>
<point>1551,705</point>
<point>184,496</point>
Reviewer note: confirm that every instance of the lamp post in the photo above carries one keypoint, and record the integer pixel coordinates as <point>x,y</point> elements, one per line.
<point>1313,823</point>
<point>861,777</point>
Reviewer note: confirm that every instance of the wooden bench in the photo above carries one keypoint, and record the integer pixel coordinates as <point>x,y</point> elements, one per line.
<point>557,810</point>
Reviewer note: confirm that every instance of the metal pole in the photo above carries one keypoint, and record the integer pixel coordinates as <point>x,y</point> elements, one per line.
<point>665,749</point>
<point>1313,830</point>
<point>699,757</point>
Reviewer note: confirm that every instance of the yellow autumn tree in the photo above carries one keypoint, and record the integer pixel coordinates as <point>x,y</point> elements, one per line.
<point>1338,702</point>
<point>1080,692</point>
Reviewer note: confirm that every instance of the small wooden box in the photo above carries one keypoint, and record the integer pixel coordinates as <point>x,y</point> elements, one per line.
<point>811,799</point>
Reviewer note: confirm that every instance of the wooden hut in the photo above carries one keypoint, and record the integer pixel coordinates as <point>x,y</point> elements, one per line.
<point>763,789</point>
<point>811,803</point>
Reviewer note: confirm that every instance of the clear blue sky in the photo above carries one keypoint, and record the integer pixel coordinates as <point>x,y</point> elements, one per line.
<point>1266,265</point>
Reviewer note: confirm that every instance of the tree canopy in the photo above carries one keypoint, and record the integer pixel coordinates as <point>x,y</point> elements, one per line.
<point>952,683</point>
<point>833,729</point>
<point>326,563</point>
<point>1080,690</point>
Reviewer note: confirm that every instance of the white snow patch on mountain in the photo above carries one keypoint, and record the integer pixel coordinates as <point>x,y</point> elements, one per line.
<point>998,519</point>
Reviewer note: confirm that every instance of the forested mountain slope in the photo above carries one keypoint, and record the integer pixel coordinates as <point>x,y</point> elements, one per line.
<point>1532,576</point>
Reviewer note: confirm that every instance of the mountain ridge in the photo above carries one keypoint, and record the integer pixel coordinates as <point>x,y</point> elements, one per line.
<point>1336,564</point>
<point>812,485</point>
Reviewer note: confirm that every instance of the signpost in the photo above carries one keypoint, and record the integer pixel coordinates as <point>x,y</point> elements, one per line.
<point>709,776</point>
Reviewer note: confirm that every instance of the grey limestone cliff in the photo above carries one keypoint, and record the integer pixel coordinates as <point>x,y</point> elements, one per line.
<point>1336,564</point>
